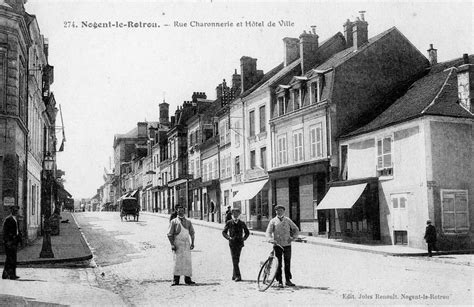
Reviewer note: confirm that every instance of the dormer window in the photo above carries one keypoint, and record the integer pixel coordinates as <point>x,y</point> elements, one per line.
<point>296,99</point>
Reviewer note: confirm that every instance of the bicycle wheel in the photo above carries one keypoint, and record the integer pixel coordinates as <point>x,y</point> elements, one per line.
<point>267,273</point>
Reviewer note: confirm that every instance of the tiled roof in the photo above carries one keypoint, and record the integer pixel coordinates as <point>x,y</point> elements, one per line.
<point>348,53</point>
<point>434,94</point>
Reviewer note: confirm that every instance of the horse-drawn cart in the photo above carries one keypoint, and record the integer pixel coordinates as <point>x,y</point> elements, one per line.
<point>129,207</point>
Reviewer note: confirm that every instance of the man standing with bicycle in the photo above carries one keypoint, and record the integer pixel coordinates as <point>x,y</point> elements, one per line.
<point>282,230</point>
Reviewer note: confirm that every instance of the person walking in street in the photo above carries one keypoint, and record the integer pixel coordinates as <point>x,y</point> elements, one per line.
<point>236,232</point>
<point>282,230</point>
<point>430,237</point>
<point>11,239</point>
<point>179,232</point>
<point>228,214</point>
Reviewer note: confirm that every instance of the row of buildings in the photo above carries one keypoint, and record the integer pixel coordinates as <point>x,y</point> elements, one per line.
<point>359,138</point>
<point>28,109</point>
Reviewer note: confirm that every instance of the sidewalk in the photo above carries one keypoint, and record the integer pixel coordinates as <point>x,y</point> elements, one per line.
<point>457,257</point>
<point>68,246</point>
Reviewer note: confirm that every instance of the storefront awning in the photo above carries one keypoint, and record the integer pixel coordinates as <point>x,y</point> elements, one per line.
<point>249,190</point>
<point>133,194</point>
<point>342,197</point>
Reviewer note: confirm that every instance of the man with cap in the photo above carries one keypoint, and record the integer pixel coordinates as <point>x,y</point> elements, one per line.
<point>11,239</point>
<point>179,232</point>
<point>228,214</point>
<point>430,237</point>
<point>236,232</point>
<point>283,230</point>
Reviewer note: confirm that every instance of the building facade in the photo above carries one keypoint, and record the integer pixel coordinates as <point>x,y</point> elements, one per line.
<point>420,153</point>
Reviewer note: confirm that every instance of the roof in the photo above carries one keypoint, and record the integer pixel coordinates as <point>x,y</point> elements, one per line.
<point>131,134</point>
<point>346,54</point>
<point>434,94</point>
<point>265,78</point>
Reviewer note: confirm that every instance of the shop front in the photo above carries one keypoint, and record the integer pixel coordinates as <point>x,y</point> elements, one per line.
<point>211,200</point>
<point>254,197</point>
<point>352,210</point>
<point>299,189</point>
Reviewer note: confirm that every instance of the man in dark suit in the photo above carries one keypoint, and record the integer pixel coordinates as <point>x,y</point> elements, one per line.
<point>11,239</point>
<point>236,232</point>
<point>430,237</point>
<point>228,214</point>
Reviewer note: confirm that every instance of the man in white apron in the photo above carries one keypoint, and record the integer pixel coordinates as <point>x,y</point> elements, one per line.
<point>179,232</point>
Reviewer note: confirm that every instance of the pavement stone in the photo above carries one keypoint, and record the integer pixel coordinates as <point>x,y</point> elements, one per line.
<point>68,246</point>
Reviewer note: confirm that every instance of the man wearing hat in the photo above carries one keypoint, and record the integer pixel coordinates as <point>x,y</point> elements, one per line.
<point>11,239</point>
<point>236,232</point>
<point>430,237</point>
<point>283,230</point>
<point>179,232</point>
<point>228,214</point>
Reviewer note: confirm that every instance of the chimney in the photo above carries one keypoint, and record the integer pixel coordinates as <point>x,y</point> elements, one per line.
<point>360,32</point>
<point>433,55</point>
<point>291,50</point>
<point>164,113</point>
<point>220,89</point>
<point>465,74</point>
<point>142,130</point>
<point>172,121</point>
<point>308,47</point>
<point>236,80</point>
<point>348,25</point>
<point>196,95</point>
<point>248,72</point>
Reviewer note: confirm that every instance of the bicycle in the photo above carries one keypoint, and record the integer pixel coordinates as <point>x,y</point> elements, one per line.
<point>267,273</point>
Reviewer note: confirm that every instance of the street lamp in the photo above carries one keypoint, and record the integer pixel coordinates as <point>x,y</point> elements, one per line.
<point>48,166</point>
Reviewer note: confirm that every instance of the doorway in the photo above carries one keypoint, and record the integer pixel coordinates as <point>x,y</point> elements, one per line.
<point>294,199</point>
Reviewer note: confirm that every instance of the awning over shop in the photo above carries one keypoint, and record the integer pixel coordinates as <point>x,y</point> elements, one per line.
<point>134,193</point>
<point>249,190</point>
<point>342,197</point>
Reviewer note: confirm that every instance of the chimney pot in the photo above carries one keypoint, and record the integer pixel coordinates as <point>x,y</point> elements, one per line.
<point>433,55</point>
<point>465,58</point>
<point>360,32</point>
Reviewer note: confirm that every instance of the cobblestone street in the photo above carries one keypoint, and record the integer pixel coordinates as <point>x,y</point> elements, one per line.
<point>134,260</point>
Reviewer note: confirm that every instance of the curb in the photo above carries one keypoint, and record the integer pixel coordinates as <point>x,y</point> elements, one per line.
<point>60,260</point>
<point>361,249</point>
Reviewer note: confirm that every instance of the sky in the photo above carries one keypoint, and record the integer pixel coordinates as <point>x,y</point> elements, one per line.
<point>108,79</point>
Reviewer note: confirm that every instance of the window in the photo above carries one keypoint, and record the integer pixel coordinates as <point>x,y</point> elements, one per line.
<point>237,165</point>
<point>252,159</point>
<point>455,214</point>
<point>227,163</point>
<point>262,119</point>
<point>384,157</point>
<point>191,167</point>
<point>296,99</point>
<point>226,198</point>
<point>263,158</point>
<point>316,137</point>
<point>222,132</point>
<point>298,146</point>
<point>223,168</point>
<point>204,172</point>
<point>198,170</point>
<point>237,134</point>
<point>282,158</point>
<point>281,105</point>
<point>251,123</point>
<point>216,169</point>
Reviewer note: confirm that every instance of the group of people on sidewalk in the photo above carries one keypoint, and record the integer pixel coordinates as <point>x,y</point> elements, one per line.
<point>281,231</point>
